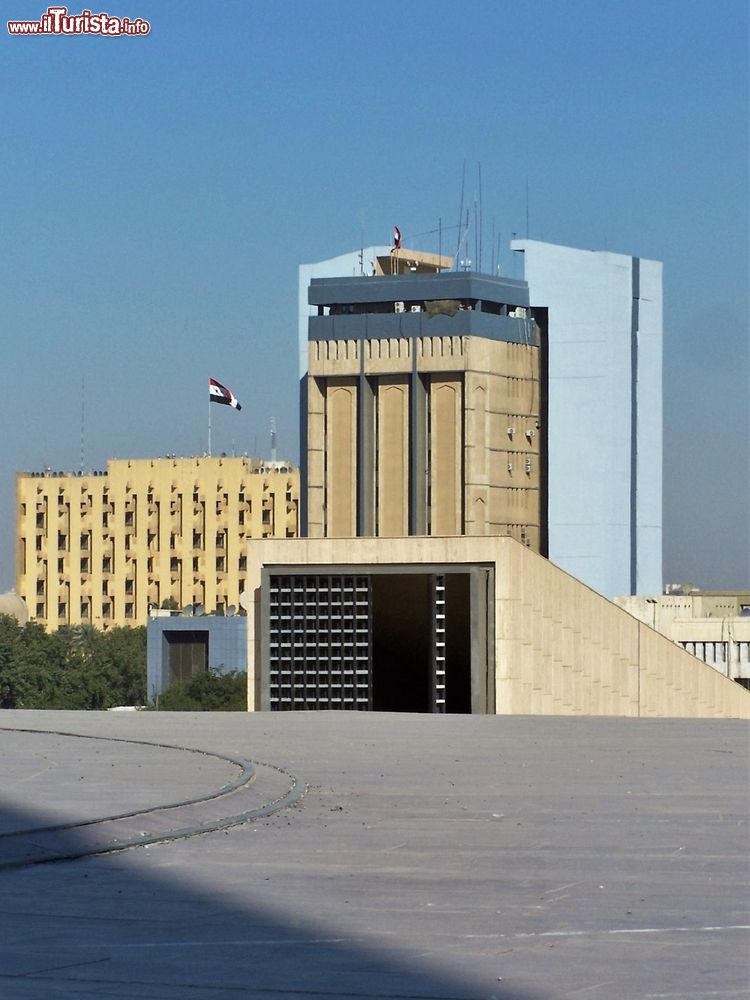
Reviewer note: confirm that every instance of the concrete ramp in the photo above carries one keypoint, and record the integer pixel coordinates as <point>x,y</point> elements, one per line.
<point>563,649</point>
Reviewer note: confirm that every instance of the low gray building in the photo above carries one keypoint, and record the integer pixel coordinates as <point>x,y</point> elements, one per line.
<point>179,647</point>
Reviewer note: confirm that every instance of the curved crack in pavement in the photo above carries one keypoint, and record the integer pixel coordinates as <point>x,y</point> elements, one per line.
<point>248,774</point>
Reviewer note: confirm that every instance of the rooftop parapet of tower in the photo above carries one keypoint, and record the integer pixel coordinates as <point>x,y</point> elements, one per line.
<point>421,305</point>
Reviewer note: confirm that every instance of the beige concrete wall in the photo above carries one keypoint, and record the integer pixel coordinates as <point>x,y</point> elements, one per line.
<point>446,444</point>
<point>341,458</point>
<point>484,403</point>
<point>441,354</point>
<point>502,440</point>
<point>387,356</point>
<point>661,610</point>
<point>393,457</point>
<point>316,491</point>
<point>334,357</point>
<point>99,549</point>
<point>709,630</point>
<point>560,648</point>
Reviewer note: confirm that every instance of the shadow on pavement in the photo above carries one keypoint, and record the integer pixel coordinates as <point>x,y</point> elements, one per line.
<point>128,925</point>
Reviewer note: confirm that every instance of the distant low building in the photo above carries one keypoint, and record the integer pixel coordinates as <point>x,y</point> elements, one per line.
<point>714,626</point>
<point>102,548</point>
<point>180,647</point>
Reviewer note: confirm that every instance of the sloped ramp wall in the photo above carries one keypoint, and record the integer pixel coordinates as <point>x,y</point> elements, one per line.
<point>563,649</point>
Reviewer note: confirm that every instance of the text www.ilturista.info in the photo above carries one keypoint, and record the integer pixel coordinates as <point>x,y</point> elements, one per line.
<point>57,21</point>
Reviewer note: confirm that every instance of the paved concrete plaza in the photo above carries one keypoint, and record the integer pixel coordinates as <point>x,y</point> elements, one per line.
<point>431,857</point>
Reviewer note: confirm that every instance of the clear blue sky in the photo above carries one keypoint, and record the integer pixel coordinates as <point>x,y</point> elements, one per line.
<point>158,194</point>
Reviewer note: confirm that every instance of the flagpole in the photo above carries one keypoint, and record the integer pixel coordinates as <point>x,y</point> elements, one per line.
<point>209,424</point>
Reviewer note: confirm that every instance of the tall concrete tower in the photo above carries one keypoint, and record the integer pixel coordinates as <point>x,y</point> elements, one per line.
<point>605,413</point>
<point>425,405</point>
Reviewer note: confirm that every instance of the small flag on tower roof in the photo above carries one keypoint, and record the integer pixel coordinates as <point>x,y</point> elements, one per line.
<point>218,393</point>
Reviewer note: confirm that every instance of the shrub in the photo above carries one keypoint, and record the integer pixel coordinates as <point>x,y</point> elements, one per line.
<point>206,692</point>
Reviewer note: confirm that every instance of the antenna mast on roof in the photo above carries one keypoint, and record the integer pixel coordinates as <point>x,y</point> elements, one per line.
<point>83,415</point>
<point>466,262</point>
<point>362,241</point>
<point>273,439</point>
<point>476,234</point>
<point>460,215</point>
<point>527,206</point>
<point>479,255</point>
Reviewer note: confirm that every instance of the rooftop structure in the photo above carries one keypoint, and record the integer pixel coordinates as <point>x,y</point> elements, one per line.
<point>425,407</point>
<point>368,261</point>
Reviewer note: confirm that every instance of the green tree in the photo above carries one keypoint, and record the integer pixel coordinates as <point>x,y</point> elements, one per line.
<point>76,667</point>
<point>206,692</point>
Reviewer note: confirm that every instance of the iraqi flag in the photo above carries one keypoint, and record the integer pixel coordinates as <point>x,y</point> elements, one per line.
<point>218,393</point>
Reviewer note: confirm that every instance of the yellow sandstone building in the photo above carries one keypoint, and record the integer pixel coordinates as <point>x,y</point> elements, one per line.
<point>102,548</point>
